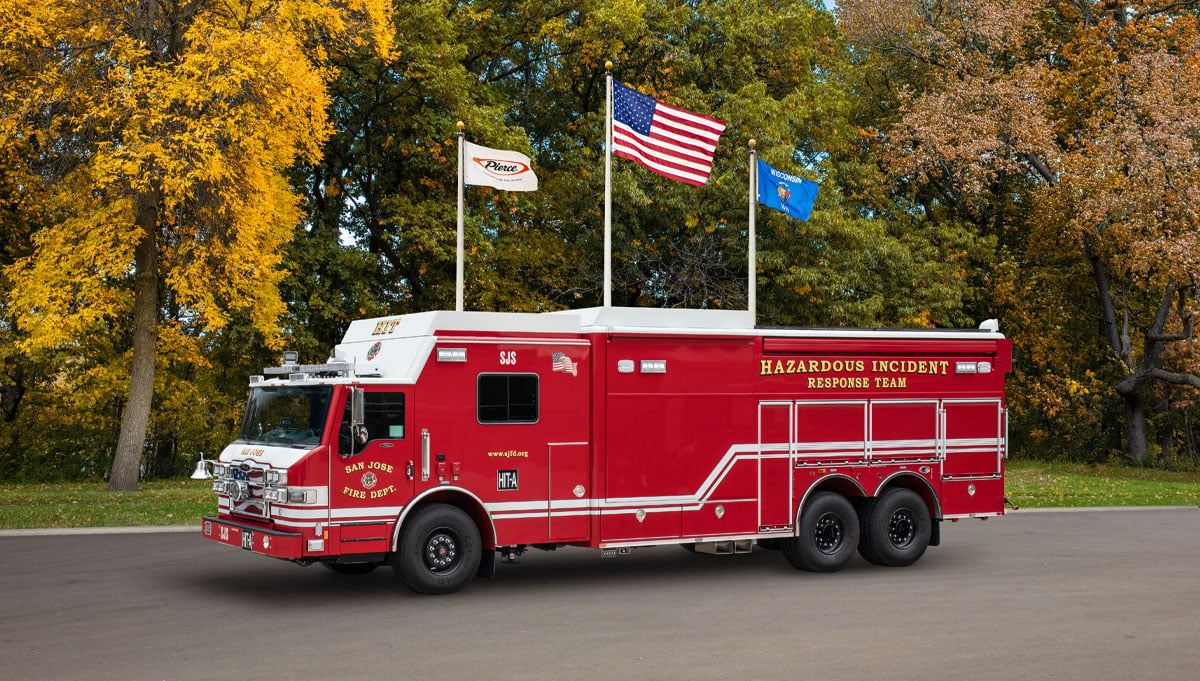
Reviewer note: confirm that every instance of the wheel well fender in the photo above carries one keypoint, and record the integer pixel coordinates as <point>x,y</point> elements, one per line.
<point>454,496</point>
<point>916,483</point>
<point>838,483</point>
<point>924,489</point>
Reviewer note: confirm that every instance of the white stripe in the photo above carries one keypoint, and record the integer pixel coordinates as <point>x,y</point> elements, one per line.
<point>841,445</point>
<point>703,125</point>
<point>369,512</point>
<point>511,341</point>
<point>299,513</point>
<point>639,146</point>
<point>694,137</point>
<point>691,170</point>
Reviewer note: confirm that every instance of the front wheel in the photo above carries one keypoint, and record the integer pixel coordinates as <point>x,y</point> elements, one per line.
<point>895,528</point>
<point>439,550</point>
<point>827,536</point>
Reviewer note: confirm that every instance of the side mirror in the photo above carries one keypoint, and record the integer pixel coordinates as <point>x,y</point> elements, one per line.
<point>357,407</point>
<point>353,436</point>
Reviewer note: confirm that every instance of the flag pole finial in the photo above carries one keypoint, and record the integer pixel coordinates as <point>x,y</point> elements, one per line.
<point>460,125</point>
<point>608,66</point>
<point>752,143</point>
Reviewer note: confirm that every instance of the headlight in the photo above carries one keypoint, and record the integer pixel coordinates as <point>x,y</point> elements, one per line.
<point>276,495</point>
<point>218,470</point>
<point>218,486</point>
<point>274,476</point>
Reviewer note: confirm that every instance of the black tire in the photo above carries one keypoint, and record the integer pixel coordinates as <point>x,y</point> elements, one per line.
<point>439,550</point>
<point>896,528</point>
<point>350,568</point>
<point>827,536</point>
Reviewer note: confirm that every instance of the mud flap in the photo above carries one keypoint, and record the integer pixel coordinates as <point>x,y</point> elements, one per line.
<point>487,565</point>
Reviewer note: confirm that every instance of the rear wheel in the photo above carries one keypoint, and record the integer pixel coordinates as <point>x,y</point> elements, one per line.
<point>827,535</point>
<point>439,550</point>
<point>896,527</point>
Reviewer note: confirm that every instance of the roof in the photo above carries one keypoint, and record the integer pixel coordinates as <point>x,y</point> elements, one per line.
<point>396,348</point>
<point>614,320</point>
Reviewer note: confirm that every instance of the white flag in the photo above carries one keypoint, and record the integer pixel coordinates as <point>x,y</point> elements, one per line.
<point>507,170</point>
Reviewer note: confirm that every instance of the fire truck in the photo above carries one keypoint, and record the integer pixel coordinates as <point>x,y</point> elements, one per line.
<point>436,442</point>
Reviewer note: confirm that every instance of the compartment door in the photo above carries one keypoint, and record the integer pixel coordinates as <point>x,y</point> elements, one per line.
<point>775,455</point>
<point>974,437</point>
<point>570,491</point>
<point>904,431</point>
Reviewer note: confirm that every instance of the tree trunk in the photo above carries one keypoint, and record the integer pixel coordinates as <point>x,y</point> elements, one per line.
<point>136,415</point>
<point>1135,427</point>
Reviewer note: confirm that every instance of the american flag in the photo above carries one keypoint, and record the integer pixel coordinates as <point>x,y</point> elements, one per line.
<point>670,141</point>
<point>563,363</point>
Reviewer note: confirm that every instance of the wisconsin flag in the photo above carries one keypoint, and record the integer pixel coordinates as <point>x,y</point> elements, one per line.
<point>670,141</point>
<point>507,170</point>
<point>787,193</point>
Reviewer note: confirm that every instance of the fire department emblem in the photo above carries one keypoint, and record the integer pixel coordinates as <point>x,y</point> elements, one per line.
<point>374,350</point>
<point>369,480</point>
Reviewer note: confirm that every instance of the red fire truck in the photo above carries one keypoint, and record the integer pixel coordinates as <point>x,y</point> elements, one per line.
<point>436,441</point>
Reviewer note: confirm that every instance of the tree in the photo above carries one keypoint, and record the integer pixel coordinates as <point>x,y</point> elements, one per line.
<point>529,76</point>
<point>161,130</point>
<point>1085,113</point>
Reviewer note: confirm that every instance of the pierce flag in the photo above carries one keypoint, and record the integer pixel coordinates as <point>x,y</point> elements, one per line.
<point>507,170</point>
<point>670,141</point>
<point>787,193</point>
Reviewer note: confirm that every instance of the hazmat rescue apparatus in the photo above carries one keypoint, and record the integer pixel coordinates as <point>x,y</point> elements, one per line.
<point>435,441</point>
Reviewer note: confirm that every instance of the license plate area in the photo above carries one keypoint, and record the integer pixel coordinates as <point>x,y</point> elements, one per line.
<point>247,540</point>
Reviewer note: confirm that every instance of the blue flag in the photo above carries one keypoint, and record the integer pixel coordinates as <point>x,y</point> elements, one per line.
<point>786,193</point>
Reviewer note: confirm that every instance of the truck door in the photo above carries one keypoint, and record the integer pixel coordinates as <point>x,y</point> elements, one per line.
<point>369,482</point>
<point>527,454</point>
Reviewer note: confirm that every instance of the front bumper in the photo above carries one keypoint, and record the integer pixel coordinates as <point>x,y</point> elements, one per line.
<point>274,543</point>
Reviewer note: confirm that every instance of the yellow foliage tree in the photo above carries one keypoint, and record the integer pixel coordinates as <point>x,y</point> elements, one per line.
<point>161,129</point>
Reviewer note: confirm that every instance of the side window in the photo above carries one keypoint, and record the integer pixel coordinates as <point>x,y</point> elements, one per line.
<point>507,398</point>
<point>383,416</point>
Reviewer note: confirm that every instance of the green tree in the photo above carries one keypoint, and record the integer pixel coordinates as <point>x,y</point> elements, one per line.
<point>517,71</point>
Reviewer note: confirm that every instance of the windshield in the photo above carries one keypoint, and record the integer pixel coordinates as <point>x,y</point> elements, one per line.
<point>286,415</point>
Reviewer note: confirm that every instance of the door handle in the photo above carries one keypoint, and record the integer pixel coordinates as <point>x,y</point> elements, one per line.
<point>424,454</point>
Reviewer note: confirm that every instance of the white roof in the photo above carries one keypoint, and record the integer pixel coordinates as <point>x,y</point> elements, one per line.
<point>396,348</point>
<point>616,319</point>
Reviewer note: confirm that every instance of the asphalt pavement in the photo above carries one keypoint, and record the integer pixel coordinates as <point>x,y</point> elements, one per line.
<point>1090,595</point>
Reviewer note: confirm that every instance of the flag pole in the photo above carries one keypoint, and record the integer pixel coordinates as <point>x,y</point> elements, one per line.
<point>608,142</point>
<point>458,272</point>
<point>752,258</point>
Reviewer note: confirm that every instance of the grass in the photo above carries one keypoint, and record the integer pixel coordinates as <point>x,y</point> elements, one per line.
<point>183,502</point>
<point>1041,485</point>
<point>88,504</point>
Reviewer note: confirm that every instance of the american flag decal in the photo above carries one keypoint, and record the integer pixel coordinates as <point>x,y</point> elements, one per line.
<point>563,363</point>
